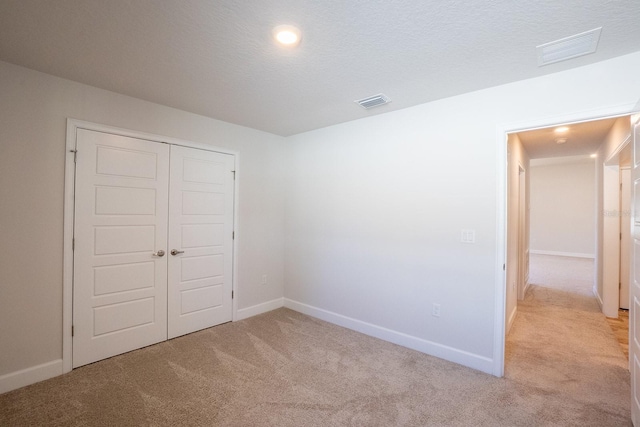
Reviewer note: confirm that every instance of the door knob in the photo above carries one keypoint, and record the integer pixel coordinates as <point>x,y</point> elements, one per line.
<point>160,253</point>
<point>175,252</point>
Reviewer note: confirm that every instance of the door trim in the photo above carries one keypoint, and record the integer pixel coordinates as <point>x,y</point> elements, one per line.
<point>502,129</point>
<point>69,195</point>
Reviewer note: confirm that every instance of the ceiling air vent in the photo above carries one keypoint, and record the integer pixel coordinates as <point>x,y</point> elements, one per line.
<point>568,47</point>
<point>373,101</point>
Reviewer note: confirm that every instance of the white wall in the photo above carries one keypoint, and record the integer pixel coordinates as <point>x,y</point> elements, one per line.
<point>563,198</point>
<point>517,157</point>
<point>374,209</point>
<point>33,112</point>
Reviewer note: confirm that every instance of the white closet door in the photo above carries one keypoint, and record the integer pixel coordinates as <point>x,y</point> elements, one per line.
<point>200,239</point>
<point>120,278</point>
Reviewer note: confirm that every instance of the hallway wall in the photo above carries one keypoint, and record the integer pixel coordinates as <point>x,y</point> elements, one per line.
<point>563,198</point>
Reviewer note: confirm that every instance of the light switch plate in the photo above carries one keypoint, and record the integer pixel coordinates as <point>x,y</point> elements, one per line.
<point>468,236</point>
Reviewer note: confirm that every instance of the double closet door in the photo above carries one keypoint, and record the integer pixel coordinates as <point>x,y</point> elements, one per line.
<point>152,243</point>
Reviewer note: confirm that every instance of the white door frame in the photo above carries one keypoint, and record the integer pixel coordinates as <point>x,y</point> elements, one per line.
<point>611,237</point>
<point>522,231</point>
<point>625,241</point>
<point>69,194</point>
<point>502,130</point>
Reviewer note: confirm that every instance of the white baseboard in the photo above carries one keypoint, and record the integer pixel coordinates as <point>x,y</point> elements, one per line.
<point>570,254</point>
<point>512,318</point>
<point>527,285</point>
<point>597,295</point>
<point>30,375</point>
<point>475,361</point>
<point>254,310</point>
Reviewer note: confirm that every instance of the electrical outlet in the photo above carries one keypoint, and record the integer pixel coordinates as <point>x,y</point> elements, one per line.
<point>436,310</point>
<point>264,279</point>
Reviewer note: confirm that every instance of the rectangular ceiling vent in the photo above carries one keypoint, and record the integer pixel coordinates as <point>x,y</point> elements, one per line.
<point>373,101</point>
<point>568,47</point>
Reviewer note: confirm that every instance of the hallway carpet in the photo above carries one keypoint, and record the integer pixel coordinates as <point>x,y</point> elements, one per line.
<point>570,274</point>
<point>576,275</point>
<point>283,368</point>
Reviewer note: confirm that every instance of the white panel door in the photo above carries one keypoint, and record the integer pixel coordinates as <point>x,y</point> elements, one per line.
<point>625,235</point>
<point>634,309</point>
<point>120,278</point>
<point>200,239</point>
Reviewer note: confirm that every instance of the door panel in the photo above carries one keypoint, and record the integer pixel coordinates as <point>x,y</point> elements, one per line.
<point>634,312</point>
<point>125,201</point>
<point>625,235</point>
<point>122,316</point>
<point>200,227</point>
<point>124,277</point>
<point>120,287</point>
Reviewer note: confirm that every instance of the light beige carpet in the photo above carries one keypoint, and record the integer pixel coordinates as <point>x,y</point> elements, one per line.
<point>287,369</point>
<point>570,274</point>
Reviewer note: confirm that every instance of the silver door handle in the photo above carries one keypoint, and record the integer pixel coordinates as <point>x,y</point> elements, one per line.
<point>160,253</point>
<point>175,252</point>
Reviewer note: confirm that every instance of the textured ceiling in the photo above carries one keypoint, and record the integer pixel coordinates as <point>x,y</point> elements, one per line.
<point>216,58</point>
<point>582,139</point>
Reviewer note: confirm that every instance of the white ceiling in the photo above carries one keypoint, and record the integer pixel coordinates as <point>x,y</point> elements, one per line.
<point>216,58</point>
<point>583,139</point>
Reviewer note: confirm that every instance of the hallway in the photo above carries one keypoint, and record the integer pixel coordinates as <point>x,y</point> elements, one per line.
<point>561,332</point>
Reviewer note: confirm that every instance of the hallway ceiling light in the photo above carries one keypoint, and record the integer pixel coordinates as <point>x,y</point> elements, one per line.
<point>593,156</point>
<point>287,35</point>
<point>561,129</point>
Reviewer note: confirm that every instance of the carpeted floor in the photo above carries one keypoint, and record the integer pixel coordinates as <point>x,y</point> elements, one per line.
<point>562,343</point>
<point>574,275</point>
<point>286,369</point>
<point>563,368</point>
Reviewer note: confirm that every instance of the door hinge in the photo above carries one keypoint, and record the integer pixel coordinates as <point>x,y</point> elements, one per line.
<point>234,174</point>
<point>504,267</point>
<point>73,330</point>
<point>231,294</point>
<point>73,244</point>
<point>75,155</point>
<point>233,235</point>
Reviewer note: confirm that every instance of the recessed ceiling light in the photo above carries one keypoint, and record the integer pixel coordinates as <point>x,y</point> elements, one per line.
<point>287,35</point>
<point>561,129</point>
<point>593,156</point>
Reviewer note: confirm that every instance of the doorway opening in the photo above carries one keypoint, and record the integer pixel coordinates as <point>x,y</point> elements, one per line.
<point>581,167</point>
